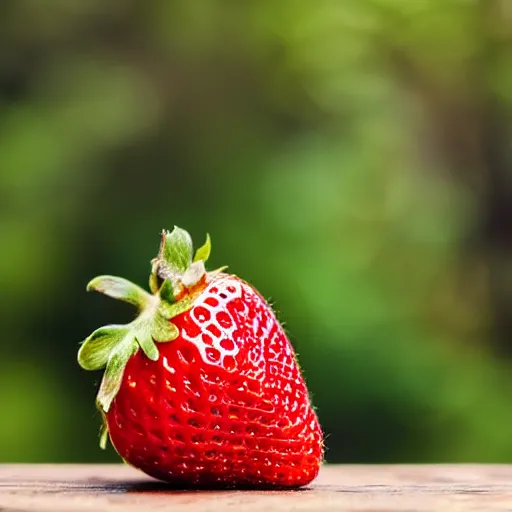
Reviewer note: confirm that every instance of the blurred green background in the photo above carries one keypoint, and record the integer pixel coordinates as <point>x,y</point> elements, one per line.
<point>351,158</point>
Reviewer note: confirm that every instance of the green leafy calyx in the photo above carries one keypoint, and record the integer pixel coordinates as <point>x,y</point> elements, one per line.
<point>177,277</point>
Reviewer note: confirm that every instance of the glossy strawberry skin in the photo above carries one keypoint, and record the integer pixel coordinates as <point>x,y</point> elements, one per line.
<point>225,403</point>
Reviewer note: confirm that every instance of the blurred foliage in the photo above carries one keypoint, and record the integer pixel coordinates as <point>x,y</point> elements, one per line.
<point>351,159</point>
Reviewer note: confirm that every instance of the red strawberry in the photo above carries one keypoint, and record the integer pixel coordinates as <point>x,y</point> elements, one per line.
<point>203,387</point>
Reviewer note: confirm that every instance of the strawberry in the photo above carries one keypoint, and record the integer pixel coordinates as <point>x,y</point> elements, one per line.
<point>203,388</point>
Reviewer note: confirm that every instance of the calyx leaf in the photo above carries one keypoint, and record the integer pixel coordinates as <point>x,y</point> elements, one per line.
<point>176,250</point>
<point>103,435</point>
<point>167,292</point>
<point>120,288</point>
<point>146,343</point>
<point>163,330</point>
<point>203,253</point>
<point>96,349</point>
<point>113,376</point>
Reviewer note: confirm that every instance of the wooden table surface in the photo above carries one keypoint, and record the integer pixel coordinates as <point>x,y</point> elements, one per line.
<point>338,488</point>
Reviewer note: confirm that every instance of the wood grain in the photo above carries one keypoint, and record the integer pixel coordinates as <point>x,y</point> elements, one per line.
<point>397,488</point>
